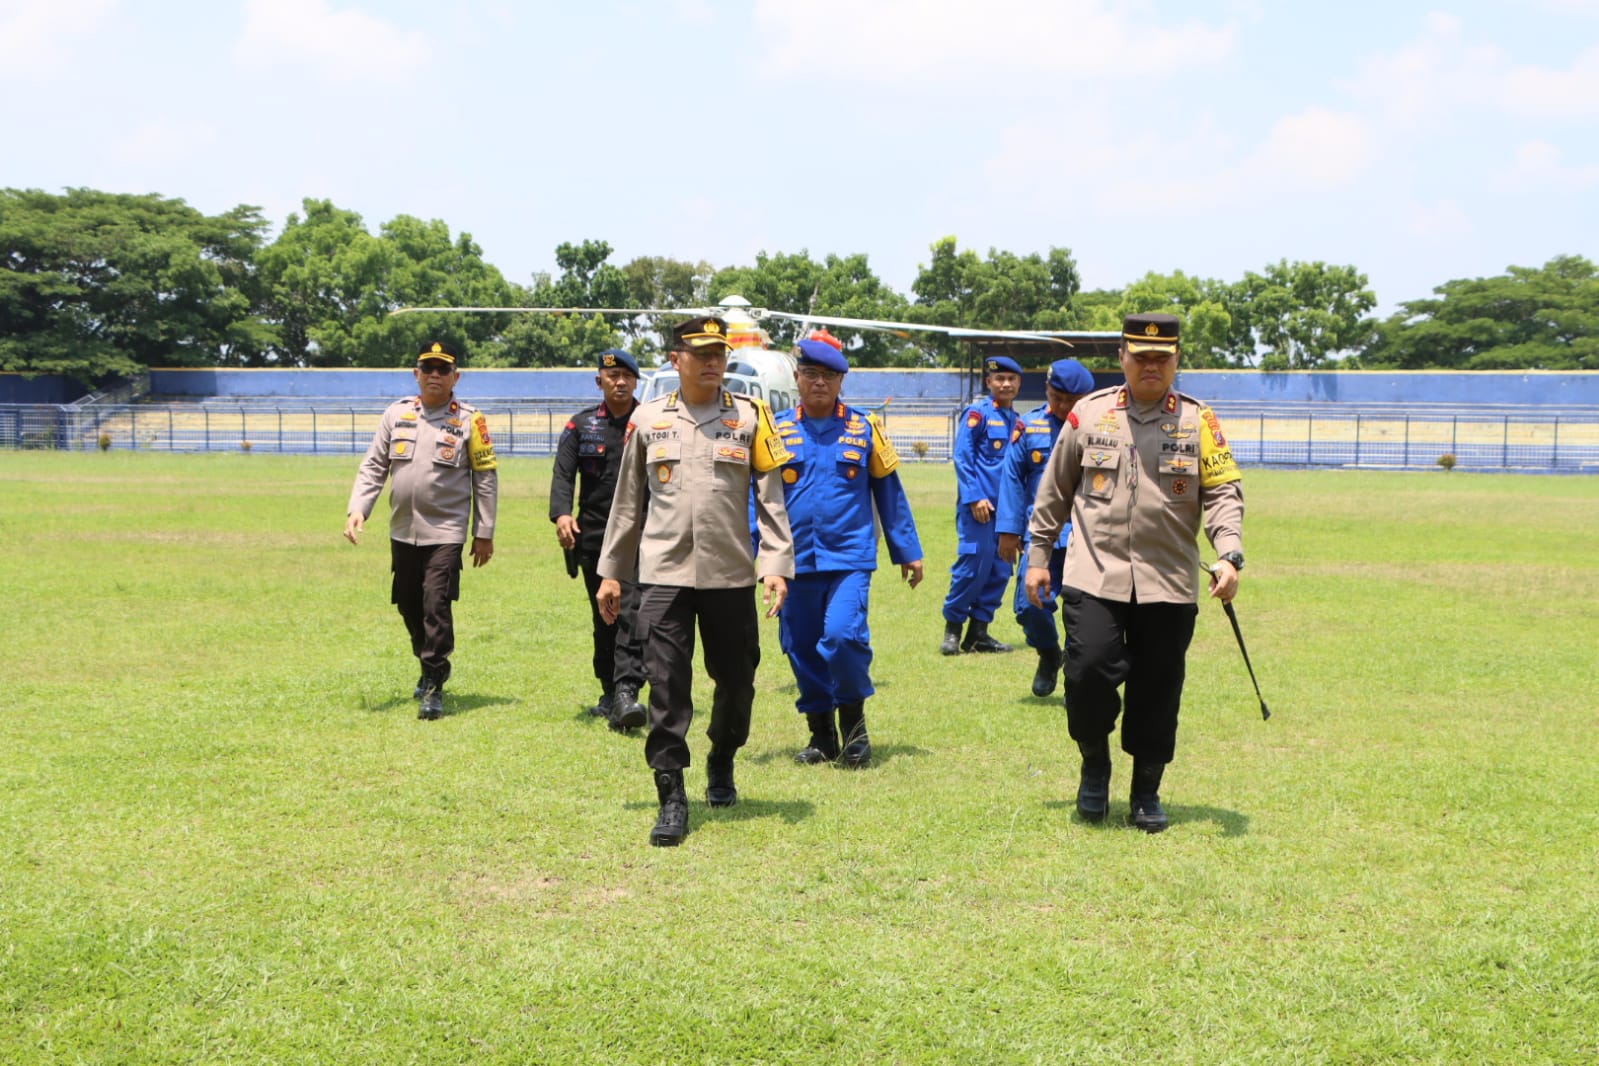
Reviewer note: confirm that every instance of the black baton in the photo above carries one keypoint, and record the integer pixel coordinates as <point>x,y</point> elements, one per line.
<point>1232,616</point>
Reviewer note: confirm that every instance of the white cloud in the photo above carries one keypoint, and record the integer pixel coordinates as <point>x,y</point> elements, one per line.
<point>697,12</point>
<point>1316,147</point>
<point>161,142</point>
<point>1445,76</point>
<point>1540,92</point>
<point>1541,165</point>
<point>1203,169</point>
<point>345,45</point>
<point>31,31</point>
<point>1446,218</point>
<point>1570,7</point>
<point>1434,78</point>
<point>935,41</point>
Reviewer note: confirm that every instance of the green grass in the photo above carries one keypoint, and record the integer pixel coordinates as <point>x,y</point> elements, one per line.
<point>225,837</point>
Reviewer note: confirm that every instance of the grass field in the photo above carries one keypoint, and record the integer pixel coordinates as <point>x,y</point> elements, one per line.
<point>227,838</point>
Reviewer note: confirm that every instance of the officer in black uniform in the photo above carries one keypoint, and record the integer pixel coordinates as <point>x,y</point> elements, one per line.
<point>588,453</point>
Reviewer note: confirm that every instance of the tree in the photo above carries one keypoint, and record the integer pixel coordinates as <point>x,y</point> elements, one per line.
<point>1303,314</point>
<point>1208,337</point>
<point>1003,291</point>
<point>843,286</point>
<point>1528,318</point>
<point>586,280</point>
<point>326,278</point>
<point>332,285</point>
<point>97,285</point>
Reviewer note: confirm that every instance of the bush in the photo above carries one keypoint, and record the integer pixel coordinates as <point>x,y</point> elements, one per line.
<point>245,445</point>
<point>1447,460</point>
<point>920,448</point>
<point>104,441</point>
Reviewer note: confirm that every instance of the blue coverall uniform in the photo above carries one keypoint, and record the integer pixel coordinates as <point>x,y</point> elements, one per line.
<point>1025,460</point>
<point>977,579</point>
<point>839,468</point>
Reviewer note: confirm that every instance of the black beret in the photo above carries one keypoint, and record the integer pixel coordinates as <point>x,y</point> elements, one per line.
<point>617,359</point>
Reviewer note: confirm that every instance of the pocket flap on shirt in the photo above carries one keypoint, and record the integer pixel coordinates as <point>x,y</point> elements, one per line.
<point>664,451</point>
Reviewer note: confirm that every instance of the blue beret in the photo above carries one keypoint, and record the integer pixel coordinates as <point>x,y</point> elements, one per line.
<point>822,354</point>
<point>1001,364</point>
<point>1068,375</point>
<point>617,359</point>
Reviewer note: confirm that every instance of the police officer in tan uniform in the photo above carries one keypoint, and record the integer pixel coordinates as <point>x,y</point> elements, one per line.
<point>438,452</point>
<point>681,516</point>
<point>1137,469</point>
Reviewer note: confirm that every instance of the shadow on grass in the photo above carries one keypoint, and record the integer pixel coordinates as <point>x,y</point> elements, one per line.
<point>745,810</point>
<point>454,703</point>
<point>467,702</point>
<point>881,753</point>
<point>1232,823</point>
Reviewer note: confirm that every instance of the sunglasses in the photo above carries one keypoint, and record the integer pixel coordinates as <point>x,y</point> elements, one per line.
<point>435,368</point>
<point>813,373</point>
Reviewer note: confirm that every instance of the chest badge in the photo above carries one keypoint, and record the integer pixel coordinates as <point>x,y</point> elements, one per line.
<point>1179,486</point>
<point>1100,482</point>
<point>447,454</point>
<point>790,475</point>
<point>663,473</point>
<point>399,448</point>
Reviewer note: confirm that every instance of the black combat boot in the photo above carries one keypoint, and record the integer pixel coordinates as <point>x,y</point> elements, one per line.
<point>1146,811</point>
<point>421,687</point>
<point>952,639</point>
<point>1048,670</point>
<point>977,639</point>
<point>432,705</point>
<point>672,824</point>
<point>602,709</point>
<point>719,788</point>
<point>824,741</point>
<point>626,711</point>
<point>1093,787</point>
<point>857,746</point>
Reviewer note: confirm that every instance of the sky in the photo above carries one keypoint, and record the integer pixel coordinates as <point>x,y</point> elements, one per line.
<point>1416,142</point>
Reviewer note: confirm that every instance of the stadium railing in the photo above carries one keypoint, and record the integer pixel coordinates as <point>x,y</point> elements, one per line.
<point>1326,435</point>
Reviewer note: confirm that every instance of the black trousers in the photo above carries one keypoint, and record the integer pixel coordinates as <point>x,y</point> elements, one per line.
<point>427,580</point>
<point>618,652</point>
<point>1141,645</point>
<point>730,629</point>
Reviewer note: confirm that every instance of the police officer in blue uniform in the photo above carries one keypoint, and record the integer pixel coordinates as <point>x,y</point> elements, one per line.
<point>587,456</point>
<point>977,579</point>
<point>841,464</point>
<point>1025,460</point>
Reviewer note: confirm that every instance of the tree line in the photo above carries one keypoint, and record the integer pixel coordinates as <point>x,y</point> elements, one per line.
<point>99,285</point>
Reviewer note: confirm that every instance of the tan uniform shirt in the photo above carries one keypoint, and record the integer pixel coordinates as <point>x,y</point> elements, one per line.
<point>445,475</point>
<point>681,508</point>
<point>1136,481</point>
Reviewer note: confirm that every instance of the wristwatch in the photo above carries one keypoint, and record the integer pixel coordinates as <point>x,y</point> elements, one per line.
<point>1236,558</point>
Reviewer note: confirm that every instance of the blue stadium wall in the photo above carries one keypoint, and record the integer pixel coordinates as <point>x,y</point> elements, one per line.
<point>1450,388</point>
<point>42,388</point>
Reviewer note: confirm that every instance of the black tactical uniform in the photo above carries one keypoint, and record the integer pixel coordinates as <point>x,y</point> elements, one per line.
<point>586,459</point>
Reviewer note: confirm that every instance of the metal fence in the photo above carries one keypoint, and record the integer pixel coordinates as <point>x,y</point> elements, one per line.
<point>1522,440</point>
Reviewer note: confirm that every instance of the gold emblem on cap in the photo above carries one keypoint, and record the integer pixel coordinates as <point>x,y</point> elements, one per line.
<point>437,348</point>
<point>713,326</point>
<point>610,360</point>
<point>1152,330</point>
<point>993,364</point>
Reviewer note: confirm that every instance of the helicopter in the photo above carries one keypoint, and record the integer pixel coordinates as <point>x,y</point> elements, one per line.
<point>755,366</point>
